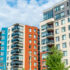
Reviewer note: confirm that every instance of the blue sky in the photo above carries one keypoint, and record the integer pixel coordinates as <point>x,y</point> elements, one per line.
<point>27,12</point>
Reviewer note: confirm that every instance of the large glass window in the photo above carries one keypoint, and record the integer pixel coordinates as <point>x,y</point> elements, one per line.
<point>44,27</point>
<point>43,34</point>
<point>58,8</point>
<point>48,15</point>
<point>60,15</point>
<point>43,41</point>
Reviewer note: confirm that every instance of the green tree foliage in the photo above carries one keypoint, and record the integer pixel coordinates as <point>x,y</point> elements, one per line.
<point>54,60</point>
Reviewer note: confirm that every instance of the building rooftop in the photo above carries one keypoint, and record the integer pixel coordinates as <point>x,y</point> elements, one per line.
<point>54,6</point>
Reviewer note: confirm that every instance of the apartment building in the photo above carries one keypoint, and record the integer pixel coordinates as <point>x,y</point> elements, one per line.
<point>55,30</point>
<point>23,47</point>
<point>3,48</point>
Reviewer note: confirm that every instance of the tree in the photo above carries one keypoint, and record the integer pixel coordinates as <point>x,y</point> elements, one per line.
<point>54,60</point>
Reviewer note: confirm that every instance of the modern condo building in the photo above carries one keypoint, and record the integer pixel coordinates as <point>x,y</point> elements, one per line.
<point>3,48</point>
<point>23,47</point>
<point>55,30</point>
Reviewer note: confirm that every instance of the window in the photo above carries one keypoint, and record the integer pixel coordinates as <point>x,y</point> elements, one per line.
<point>34,30</point>
<point>35,41</point>
<point>57,39</point>
<point>2,43</point>
<point>64,53</point>
<point>1,58</point>
<point>62,7</point>
<point>8,41</point>
<point>60,15</point>
<point>44,34</point>
<point>3,37</point>
<point>67,3</point>
<point>62,22</point>
<point>58,8</point>
<point>68,12</point>
<point>44,27</point>
<point>69,35</point>
<point>68,19</point>
<point>30,30</point>
<point>35,47</point>
<point>8,36</point>
<point>2,48</point>
<point>63,37</point>
<point>43,41</point>
<point>66,61</point>
<point>35,58</point>
<point>64,45</point>
<point>58,46</point>
<point>7,52</point>
<point>35,64</point>
<point>35,52</point>
<point>57,31</point>
<point>29,46</point>
<point>48,15</point>
<point>34,36</point>
<point>69,27</point>
<point>3,32</point>
<point>30,41</point>
<point>43,64</point>
<point>63,29</point>
<point>56,24</point>
<point>30,35</point>
<point>44,56</point>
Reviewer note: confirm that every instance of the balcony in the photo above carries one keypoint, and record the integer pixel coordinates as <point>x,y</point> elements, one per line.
<point>17,40</point>
<point>50,35</point>
<point>16,57</point>
<point>14,46</point>
<point>16,51</point>
<point>50,27</point>
<point>16,63</point>
<point>17,34</point>
<point>15,28</point>
<point>50,42</point>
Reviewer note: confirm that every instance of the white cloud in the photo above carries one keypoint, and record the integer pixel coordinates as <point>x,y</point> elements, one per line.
<point>24,13</point>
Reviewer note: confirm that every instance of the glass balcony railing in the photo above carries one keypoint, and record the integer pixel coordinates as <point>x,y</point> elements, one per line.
<point>16,51</point>
<point>17,40</point>
<point>50,42</point>
<point>17,46</point>
<point>17,34</point>
<point>16,57</point>
<point>50,27</point>
<point>16,63</point>
<point>50,34</point>
<point>15,28</point>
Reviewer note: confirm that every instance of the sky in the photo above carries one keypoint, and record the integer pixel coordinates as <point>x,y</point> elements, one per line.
<point>27,12</point>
